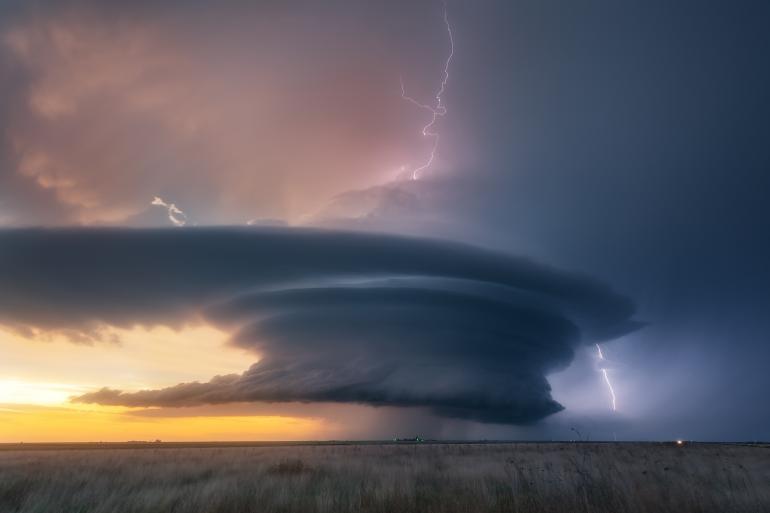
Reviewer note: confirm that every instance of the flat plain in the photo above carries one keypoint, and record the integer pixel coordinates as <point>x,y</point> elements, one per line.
<point>374,477</point>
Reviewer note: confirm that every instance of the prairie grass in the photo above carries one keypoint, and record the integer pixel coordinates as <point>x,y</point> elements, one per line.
<point>423,478</point>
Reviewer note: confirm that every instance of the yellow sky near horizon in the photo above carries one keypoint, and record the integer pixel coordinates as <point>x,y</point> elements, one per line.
<point>76,423</point>
<point>37,378</point>
<point>144,358</point>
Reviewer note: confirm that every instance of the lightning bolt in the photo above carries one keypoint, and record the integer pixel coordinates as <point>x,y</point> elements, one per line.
<point>607,377</point>
<point>437,109</point>
<point>175,215</point>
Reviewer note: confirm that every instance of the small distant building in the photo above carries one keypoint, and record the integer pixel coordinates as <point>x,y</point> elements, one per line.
<point>416,439</point>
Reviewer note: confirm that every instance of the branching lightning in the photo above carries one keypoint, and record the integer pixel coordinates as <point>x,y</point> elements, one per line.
<point>437,109</point>
<point>607,377</point>
<point>175,215</point>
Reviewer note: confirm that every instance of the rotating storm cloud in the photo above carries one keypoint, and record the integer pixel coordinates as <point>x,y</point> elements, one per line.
<point>460,331</point>
<point>339,317</point>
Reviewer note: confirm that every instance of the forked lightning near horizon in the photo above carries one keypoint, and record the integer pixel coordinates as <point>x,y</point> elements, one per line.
<point>607,378</point>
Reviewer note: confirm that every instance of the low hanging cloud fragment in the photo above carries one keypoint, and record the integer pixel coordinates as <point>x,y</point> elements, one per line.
<point>333,316</point>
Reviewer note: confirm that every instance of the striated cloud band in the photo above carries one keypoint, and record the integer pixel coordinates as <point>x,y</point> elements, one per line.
<point>332,316</point>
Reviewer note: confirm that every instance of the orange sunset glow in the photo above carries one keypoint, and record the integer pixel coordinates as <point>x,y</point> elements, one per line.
<point>39,378</point>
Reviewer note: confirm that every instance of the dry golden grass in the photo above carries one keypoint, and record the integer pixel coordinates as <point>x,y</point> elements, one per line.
<point>553,477</point>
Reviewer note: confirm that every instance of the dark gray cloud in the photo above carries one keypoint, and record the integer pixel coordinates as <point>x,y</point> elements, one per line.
<point>334,316</point>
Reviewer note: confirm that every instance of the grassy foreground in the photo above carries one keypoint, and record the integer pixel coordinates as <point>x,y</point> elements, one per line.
<point>551,477</point>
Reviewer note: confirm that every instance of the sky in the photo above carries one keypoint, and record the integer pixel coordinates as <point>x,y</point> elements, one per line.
<point>222,221</point>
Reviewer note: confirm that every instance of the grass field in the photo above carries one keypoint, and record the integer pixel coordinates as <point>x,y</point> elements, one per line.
<point>424,478</point>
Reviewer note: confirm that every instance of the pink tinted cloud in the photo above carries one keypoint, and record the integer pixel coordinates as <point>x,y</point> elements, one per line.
<point>267,119</point>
